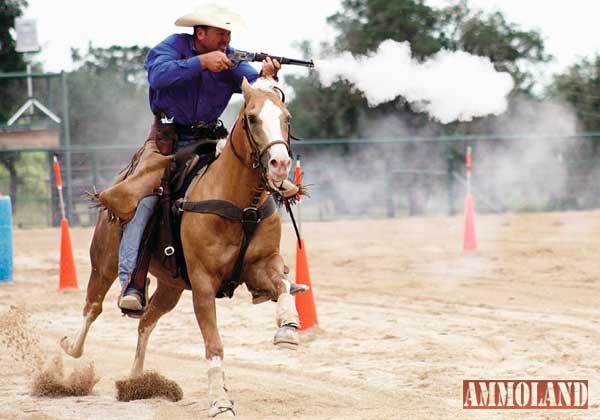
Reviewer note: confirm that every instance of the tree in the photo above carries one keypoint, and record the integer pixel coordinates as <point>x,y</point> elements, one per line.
<point>509,47</point>
<point>363,24</point>
<point>107,96</point>
<point>10,60</point>
<point>124,62</point>
<point>337,111</point>
<point>579,85</point>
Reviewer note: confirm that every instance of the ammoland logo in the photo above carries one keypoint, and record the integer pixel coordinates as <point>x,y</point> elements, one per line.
<point>525,394</point>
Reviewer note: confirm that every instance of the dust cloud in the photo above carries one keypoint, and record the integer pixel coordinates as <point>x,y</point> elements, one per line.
<point>51,381</point>
<point>150,385</point>
<point>48,379</point>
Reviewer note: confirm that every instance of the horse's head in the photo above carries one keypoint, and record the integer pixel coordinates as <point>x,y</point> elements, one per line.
<point>266,123</point>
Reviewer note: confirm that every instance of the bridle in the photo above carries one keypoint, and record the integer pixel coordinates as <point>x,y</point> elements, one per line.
<point>257,152</point>
<point>249,216</point>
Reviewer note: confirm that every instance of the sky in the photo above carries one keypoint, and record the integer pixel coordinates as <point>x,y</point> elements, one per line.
<point>569,28</point>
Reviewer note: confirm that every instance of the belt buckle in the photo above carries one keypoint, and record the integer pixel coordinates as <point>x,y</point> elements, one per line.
<point>198,125</point>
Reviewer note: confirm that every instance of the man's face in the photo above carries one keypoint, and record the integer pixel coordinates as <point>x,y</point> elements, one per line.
<point>213,39</point>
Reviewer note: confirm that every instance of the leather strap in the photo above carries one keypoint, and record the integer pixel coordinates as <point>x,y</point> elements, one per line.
<point>249,217</point>
<point>226,209</point>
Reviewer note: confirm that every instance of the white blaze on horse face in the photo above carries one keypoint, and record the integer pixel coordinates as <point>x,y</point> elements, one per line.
<point>279,159</point>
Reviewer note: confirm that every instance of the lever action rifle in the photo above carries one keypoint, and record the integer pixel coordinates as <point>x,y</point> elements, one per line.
<point>236,56</point>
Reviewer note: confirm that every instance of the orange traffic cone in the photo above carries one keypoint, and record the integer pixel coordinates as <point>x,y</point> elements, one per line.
<point>469,240</point>
<point>305,301</point>
<point>67,275</point>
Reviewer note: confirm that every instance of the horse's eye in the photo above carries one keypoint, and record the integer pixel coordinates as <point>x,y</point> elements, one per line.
<point>252,119</point>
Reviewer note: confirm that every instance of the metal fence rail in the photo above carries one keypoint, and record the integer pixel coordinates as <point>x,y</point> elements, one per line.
<point>355,177</point>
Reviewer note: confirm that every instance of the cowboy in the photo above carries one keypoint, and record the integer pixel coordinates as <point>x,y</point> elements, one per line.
<point>191,82</point>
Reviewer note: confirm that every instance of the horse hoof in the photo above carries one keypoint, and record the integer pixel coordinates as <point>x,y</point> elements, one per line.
<point>66,346</point>
<point>287,337</point>
<point>222,408</point>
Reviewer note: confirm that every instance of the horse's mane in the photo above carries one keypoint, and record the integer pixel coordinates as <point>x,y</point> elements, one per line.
<point>265,84</point>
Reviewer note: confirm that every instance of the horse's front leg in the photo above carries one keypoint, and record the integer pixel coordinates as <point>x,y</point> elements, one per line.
<point>268,279</point>
<point>204,293</point>
<point>104,258</point>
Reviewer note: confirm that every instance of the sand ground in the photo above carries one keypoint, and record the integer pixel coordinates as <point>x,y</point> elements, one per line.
<point>404,318</point>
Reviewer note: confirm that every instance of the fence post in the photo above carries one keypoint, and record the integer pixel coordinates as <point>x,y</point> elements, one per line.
<point>450,182</point>
<point>54,216</point>
<point>387,188</point>
<point>93,211</point>
<point>67,143</point>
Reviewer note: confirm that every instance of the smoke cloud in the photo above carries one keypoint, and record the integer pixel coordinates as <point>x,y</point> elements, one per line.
<point>449,86</point>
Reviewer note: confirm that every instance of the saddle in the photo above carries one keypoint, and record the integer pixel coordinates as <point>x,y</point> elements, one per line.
<point>162,236</point>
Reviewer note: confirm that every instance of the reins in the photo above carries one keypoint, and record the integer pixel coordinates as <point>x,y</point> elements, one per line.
<point>250,216</point>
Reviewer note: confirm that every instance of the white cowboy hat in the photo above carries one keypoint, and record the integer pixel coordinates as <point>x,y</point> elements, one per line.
<point>212,14</point>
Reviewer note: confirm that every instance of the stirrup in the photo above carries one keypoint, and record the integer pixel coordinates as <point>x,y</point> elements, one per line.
<point>131,300</point>
<point>134,313</point>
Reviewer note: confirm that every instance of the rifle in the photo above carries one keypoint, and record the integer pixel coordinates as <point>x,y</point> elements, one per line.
<point>236,56</point>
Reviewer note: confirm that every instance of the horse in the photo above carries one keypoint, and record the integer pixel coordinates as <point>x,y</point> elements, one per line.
<point>254,162</point>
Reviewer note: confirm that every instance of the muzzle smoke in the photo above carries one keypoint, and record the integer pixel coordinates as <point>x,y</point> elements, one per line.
<point>450,86</point>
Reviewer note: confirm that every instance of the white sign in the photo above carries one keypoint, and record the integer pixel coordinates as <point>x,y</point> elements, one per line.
<point>27,39</point>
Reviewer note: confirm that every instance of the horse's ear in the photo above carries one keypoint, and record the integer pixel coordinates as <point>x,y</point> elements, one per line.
<point>245,88</point>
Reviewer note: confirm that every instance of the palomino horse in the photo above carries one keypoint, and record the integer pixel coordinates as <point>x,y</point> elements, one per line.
<point>254,161</point>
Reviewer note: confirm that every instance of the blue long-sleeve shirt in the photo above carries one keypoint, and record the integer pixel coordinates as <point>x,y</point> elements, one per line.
<point>182,89</point>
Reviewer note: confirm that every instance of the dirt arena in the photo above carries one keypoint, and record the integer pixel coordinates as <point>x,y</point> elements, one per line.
<point>404,318</point>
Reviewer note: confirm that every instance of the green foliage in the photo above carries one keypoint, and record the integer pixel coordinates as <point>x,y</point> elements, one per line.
<point>25,176</point>
<point>124,62</point>
<point>10,92</point>
<point>579,85</point>
<point>33,174</point>
<point>509,47</point>
<point>364,24</point>
<point>10,60</point>
<point>333,111</point>
<point>33,189</point>
<point>337,111</point>
<point>108,96</point>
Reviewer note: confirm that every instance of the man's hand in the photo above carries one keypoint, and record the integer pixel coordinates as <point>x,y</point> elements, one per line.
<point>215,61</point>
<point>270,68</point>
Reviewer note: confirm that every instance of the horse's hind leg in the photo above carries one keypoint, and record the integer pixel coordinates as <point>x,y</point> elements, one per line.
<point>163,300</point>
<point>104,257</point>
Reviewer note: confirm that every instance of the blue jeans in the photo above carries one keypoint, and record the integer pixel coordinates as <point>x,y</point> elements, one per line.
<point>132,237</point>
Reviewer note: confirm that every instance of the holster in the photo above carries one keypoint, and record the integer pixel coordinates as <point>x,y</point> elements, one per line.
<point>160,234</point>
<point>164,134</point>
<point>147,167</point>
<point>165,235</point>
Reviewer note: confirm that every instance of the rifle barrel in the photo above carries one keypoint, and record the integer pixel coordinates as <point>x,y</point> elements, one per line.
<point>284,60</point>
